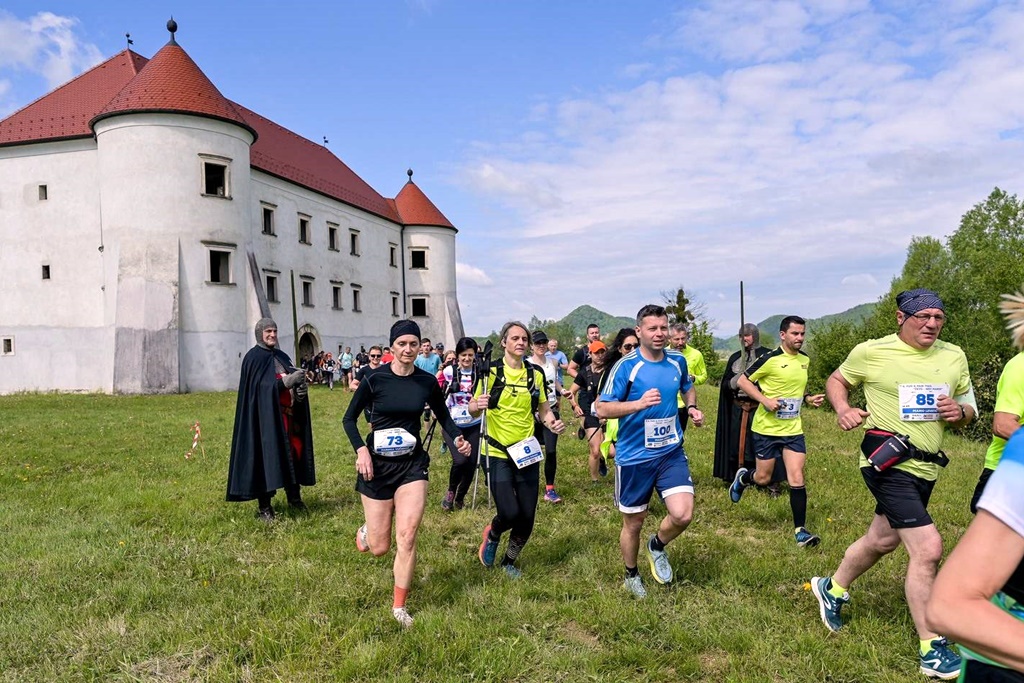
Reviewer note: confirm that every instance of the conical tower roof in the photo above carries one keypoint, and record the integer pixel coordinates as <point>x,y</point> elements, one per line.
<point>416,209</point>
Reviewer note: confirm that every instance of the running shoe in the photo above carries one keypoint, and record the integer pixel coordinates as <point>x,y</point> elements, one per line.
<point>581,434</point>
<point>737,486</point>
<point>830,605</point>
<point>448,503</point>
<point>805,539</point>
<point>512,571</point>
<point>402,616</point>
<point>488,549</point>
<point>552,497</point>
<point>362,542</point>
<point>941,661</point>
<point>661,568</point>
<point>635,585</point>
<point>602,467</point>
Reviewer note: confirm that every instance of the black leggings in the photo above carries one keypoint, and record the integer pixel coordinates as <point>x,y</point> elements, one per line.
<point>463,467</point>
<point>515,494</point>
<point>550,441</point>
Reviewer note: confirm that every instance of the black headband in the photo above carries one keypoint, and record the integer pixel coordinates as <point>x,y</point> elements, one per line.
<point>401,328</point>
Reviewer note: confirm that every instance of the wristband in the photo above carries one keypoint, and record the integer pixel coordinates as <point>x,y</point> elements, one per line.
<point>963,413</point>
<point>691,407</point>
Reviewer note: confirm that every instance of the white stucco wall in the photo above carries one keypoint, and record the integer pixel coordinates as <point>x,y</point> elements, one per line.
<point>436,282</point>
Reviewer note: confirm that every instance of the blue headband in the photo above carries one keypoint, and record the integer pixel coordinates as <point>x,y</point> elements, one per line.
<point>916,300</point>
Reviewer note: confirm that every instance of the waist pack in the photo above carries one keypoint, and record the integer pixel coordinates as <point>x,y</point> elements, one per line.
<point>885,449</point>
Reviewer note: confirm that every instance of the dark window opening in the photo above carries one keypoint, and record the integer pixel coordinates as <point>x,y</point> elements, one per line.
<point>419,308</point>
<point>353,242</point>
<point>307,293</point>
<point>394,256</point>
<point>8,346</point>
<point>272,289</point>
<point>220,267</point>
<point>46,272</point>
<point>356,304</point>
<point>394,306</point>
<point>43,193</point>
<point>419,258</point>
<point>336,296</point>
<point>332,238</point>
<point>268,221</point>
<point>304,230</point>
<point>215,179</point>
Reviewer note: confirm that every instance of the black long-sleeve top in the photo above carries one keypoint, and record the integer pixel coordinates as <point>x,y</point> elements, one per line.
<point>395,401</point>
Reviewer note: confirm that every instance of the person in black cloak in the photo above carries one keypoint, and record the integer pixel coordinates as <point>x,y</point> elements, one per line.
<point>272,444</point>
<point>736,409</point>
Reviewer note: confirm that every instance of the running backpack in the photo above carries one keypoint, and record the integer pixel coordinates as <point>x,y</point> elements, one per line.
<point>500,384</point>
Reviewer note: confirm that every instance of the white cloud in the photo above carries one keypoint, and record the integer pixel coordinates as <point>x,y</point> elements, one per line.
<point>45,44</point>
<point>813,150</point>
<point>471,276</point>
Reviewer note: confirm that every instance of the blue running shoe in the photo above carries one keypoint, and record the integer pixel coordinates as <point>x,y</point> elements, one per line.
<point>941,661</point>
<point>661,568</point>
<point>829,604</point>
<point>805,539</point>
<point>512,571</point>
<point>737,487</point>
<point>488,549</point>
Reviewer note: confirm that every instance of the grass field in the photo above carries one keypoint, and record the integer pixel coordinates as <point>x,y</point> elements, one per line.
<point>122,562</point>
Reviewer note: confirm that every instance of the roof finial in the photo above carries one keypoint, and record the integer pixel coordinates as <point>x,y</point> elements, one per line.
<point>172,26</point>
<point>409,173</point>
<point>128,37</point>
<point>326,141</point>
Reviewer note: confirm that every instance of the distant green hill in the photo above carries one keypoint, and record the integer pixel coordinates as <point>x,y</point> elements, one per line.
<point>769,327</point>
<point>581,316</point>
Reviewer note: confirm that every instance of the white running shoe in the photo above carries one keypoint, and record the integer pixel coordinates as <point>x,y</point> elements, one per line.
<point>635,585</point>
<point>402,616</point>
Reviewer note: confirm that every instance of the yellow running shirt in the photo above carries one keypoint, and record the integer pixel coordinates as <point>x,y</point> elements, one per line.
<point>1009,399</point>
<point>901,384</point>
<point>782,376</point>
<point>512,420</point>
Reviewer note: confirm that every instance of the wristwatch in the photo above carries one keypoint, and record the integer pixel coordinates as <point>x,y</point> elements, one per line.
<point>691,407</point>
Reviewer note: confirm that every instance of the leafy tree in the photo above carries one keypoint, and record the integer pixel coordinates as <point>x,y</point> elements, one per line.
<point>681,309</point>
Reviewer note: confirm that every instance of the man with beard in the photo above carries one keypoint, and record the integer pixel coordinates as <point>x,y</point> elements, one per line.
<point>733,445</point>
<point>272,444</point>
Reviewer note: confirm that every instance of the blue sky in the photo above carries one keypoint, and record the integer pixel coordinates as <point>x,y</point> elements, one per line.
<point>604,152</point>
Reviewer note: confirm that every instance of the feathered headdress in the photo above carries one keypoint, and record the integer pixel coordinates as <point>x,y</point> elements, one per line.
<point>1012,308</point>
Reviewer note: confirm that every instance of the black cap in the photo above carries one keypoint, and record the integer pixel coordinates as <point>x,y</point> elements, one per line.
<point>540,337</point>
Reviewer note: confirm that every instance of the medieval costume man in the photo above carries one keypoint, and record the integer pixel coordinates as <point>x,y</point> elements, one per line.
<point>272,445</point>
<point>733,445</point>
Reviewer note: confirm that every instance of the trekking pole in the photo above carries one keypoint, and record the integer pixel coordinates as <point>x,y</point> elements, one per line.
<point>483,373</point>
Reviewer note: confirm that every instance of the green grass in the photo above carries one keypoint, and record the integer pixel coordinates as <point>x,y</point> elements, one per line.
<point>122,562</point>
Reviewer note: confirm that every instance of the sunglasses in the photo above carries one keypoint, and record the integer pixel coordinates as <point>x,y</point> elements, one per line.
<point>628,347</point>
<point>375,355</point>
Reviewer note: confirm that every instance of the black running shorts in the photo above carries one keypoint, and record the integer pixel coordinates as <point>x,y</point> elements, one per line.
<point>900,496</point>
<point>389,474</point>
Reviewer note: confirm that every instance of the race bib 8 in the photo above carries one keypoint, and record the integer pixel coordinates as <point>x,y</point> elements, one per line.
<point>660,432</point>
<point>393,443</point>
<point>525,452</point>
<point>920,402</point>
<point>789,408</point>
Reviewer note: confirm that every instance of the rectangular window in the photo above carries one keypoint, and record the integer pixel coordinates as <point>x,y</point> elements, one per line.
<point>268,220</point>
<point>8,346</point>
<point>418,259</point>
<point>332,237</point>
<point>357,305</point>
<point>216,175</point>
<point>353,242</point>
<point>304,229</point>
<point>336,297</point>
<point>393,258</point>
<point>220,267</point>
<point>419,307</point>
<point>46,272</point>
<point>272,289</point>
<point>394,304</point>
<point>307,292</point>
<point>43,193</point>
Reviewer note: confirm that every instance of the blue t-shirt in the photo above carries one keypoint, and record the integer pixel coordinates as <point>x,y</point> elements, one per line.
<point>431,363</point>
<point>654,431</point>
<point>560,360</point>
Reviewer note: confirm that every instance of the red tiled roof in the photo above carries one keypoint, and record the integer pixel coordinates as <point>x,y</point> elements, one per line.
<point>172,82</point>
<point>65,112</point>
<point>280,152</point>
<point>415,209</point>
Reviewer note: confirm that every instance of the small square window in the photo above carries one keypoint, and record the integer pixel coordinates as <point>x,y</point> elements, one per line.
<point>419,259</point>
<point>220,267</point>
<point>357,305</point>
<point>394,305</point>
<point>336,297</point>
<point>215,179</point>
<point>272,289</point>
<point>304,229</point>
<point>8,346</point>
<point>43,193</point>
<point>332,237</point>
<point>46,272</point>
<point>393,259</point>
<point>307,293</point>
<point>419,307</point>
<point>353,243</point>
<point>268,221</point>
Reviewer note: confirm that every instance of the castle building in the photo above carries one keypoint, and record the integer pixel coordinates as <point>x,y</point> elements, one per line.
<point>147,222</point>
